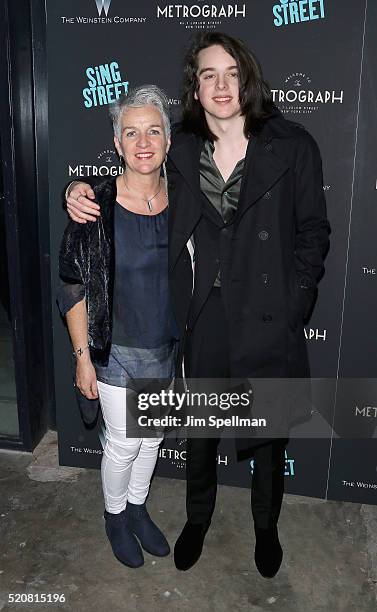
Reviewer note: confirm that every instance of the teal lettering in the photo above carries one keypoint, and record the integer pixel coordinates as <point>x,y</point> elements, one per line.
<point>313,11</point>
<point>93,92</point>
<point>91,80</point>
<point>105,75</point>
<point>88,101</point>
<point>115,73</point>
<point>303,10</point>
<point>117,88</point>
<point>110,93</point>
<point>101,95</point>
<point>277,12</point>
<point>293,11</point>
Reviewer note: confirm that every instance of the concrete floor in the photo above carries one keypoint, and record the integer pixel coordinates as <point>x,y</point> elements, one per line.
<point>53,541</point>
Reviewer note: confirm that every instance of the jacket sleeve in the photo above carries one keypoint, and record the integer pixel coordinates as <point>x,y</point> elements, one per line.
<point>72,267</point>
<point>68,295</point>
<point>311,223</point>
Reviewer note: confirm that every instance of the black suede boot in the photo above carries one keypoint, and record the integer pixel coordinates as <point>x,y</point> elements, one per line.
<point>189,545</point>
<point>125,546</point>
<point>268,552</point>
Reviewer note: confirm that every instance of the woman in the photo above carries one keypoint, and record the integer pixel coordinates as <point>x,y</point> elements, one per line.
<point>116,302</point>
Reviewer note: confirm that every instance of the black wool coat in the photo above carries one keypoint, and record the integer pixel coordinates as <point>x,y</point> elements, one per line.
<point>270,255</point>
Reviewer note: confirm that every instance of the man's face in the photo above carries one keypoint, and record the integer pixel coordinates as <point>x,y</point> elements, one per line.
<point>218,83</point>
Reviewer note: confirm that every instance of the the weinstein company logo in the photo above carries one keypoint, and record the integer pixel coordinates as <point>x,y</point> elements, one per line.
<point>102,5</point>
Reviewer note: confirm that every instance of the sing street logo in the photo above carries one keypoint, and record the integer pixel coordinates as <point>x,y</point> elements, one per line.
<point>289,469</point>
<point>105,85</point>
<point>297,11</point>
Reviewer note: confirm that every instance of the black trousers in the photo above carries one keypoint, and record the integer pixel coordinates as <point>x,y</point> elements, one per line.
<point>207,356</point>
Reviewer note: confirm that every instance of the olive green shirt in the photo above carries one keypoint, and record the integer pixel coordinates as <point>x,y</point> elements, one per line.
<point>223,195</point>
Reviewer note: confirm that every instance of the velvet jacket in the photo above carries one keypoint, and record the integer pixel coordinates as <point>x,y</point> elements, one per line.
<point>87,257</point>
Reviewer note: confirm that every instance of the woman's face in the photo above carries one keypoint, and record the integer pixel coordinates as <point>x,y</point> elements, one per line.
<point>143,143</point>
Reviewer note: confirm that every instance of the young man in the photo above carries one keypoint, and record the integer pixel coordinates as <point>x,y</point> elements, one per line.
<point>245,186</point>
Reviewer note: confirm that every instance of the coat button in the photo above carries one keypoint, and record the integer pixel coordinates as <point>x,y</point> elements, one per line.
<point>267,317</point>
<point>217,260</point>
<point>265,279</point>
<point>304,283</point>
<point>267,195</point>
<point>263,235</point>
<point>268,146</point>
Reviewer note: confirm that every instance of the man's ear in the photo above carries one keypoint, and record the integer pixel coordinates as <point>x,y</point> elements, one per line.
<point>117,146</point>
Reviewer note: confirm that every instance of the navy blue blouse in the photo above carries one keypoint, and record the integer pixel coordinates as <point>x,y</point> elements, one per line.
<point>142,312</point>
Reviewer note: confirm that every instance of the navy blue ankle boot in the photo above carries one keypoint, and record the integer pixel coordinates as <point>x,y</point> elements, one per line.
<point>150,536</point>
<point>125,546</point>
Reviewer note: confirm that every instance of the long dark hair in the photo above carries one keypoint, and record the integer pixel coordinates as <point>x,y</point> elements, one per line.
<point>255,95</point>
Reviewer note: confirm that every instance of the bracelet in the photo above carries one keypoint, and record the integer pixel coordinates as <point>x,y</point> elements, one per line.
<point>66,195</point>
<point>79,351</point>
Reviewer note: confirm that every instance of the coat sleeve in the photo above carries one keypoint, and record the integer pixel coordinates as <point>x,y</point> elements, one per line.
<point>311,223</point>
<point>72,267</point>
<point>93,181</point>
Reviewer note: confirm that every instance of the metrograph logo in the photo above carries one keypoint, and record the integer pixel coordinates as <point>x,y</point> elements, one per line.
<point>103,5</point>
<point>299,95</point>
<point>199,15</point>
<point>106,163</point>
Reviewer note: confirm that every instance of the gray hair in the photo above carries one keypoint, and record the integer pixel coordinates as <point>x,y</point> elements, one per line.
<point>145,95</point>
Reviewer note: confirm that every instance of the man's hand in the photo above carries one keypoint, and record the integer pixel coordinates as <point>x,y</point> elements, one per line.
<point>86,379</point>
<point>80,205</point>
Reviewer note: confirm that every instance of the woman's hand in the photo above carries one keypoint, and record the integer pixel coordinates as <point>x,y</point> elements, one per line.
<point>86,379</point>
<point>80,205</point>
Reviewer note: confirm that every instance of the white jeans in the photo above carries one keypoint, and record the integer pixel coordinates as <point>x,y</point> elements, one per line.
<point>127,463</point>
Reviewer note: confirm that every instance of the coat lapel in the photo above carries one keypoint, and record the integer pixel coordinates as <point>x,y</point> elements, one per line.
<point>263,168</point>
<point>184,212</point>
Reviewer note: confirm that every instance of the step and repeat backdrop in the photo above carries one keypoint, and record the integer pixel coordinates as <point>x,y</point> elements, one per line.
<point>320,59</point>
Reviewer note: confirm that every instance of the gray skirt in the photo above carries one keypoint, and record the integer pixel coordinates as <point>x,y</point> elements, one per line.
<point>136,368</point>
